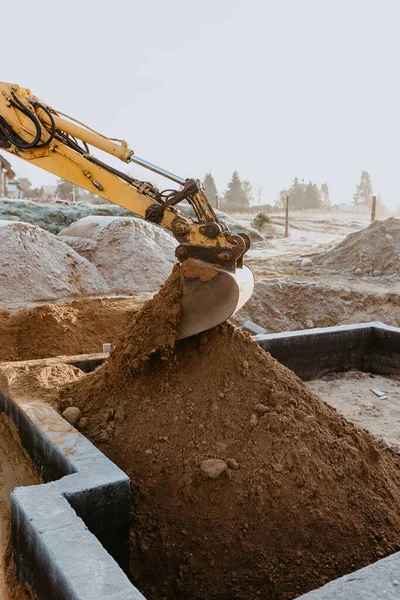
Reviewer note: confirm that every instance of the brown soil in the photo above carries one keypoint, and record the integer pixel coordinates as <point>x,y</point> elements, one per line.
<point>47,330</point>
<point>287,306</point>
<point>296,496</point>
<point>15,470</point>
<point>41,381</point>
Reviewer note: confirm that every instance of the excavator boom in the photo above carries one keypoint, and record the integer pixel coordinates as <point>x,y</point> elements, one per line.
<point>216,284</point>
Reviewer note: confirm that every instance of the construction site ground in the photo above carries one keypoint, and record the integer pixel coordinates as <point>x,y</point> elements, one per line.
<point>287,296</point>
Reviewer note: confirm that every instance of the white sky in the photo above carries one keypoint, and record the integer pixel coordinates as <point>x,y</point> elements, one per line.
<point>272,88</point>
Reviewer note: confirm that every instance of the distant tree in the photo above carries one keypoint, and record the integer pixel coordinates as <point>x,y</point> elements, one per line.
<point>235,198</point>
<point>312,196</point>
<point>211,189</point>
<point>281,199</point>
<point>64,189</point>
<point>297,194</point>
<point>325,197</point>
<point>248,189</point>
<point>363,193</point>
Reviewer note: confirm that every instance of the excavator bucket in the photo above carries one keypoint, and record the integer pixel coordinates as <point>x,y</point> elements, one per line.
<point>211,295</point>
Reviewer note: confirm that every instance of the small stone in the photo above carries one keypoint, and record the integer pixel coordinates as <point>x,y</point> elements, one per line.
<point>72,415</point>
<point>358,271</point>
<point>82,423</point>
<point>232,464</point>
<point>213,467</point>
<point>245,364</point>
<point>253,420</point>
<point>376,273</point>
<point>221,395</point>
<point>277,467</point>
<point>309,419</point>
<point>310,324</point>
<point>261,408</point>
<point>389,236</point>
<point>306,263</point>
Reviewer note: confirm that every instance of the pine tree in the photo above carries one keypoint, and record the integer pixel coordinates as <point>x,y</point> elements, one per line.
<point>210,189</point>
<point>312,196</point>
<point>235,198</point>
<point>325,197</point>
<point>297,194</point>
<point>248,189</point>
<point>363,193</point>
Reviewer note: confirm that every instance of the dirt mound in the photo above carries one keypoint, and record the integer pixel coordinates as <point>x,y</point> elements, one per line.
<point>375,250</point>
<point>48,330</point>
<point>25,381</point>
<point>243,482</point>
<point>36,265</point>
<point>288,306</point>
<point>131,254</point>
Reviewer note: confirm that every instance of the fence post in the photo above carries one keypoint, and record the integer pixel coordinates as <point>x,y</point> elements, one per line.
<point>287,217</point>
<point>373,209</point>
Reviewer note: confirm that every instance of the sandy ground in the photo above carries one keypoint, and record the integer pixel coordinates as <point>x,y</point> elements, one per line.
<point>15,470</point>
<point>351,394</point>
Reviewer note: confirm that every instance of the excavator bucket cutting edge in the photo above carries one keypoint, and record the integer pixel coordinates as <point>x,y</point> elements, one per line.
<point>211,295</point>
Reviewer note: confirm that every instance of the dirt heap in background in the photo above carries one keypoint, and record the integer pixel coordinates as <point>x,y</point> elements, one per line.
<point>36,265</point>
<point>376,248</point>
<point>294,495</point>
<point>131,254</point>
<point>49,330</point>
<point>290,305</point>
<point>33,380</point>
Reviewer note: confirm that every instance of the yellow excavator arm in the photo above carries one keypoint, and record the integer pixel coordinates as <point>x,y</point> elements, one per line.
<point>216,284</point>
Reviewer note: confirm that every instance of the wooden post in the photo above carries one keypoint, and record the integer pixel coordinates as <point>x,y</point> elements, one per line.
<point>373,209</point>
<point>287,217</point>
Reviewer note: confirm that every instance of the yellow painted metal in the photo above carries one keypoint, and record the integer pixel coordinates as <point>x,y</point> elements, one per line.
<point>211,294</point>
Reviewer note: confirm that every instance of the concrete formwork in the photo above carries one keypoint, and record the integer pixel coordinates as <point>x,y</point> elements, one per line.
<point>70,535</point>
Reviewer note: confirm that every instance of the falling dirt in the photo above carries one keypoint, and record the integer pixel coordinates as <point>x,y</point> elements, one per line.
<point>243,482</point>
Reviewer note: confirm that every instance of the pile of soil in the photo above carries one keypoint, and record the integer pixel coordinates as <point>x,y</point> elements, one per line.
<point>36,380</point>
<point>36,265</point>
<point>243,482</point>
<point>288,306</point>
<point>131,254</point>
<point>374,250</point>
<point>48,330</point>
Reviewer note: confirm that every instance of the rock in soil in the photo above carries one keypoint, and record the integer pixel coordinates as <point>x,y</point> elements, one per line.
<point>72,414</point>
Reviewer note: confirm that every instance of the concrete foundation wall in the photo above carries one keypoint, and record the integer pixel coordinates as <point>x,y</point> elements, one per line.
<point>70,536</point>
<point>313,353</point>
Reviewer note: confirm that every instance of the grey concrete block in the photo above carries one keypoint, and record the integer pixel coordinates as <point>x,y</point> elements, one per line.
<point>379,581</point>
<point>79,518</point>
